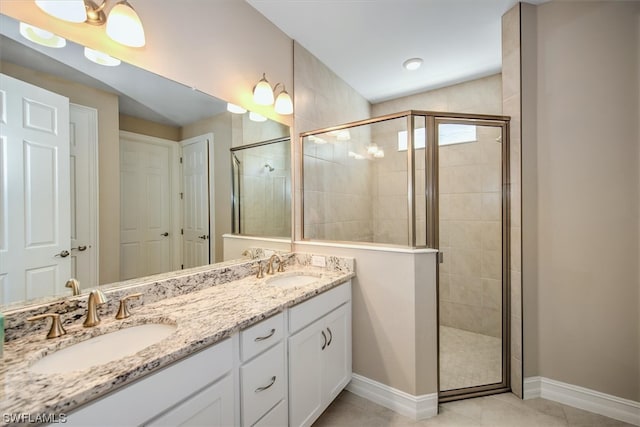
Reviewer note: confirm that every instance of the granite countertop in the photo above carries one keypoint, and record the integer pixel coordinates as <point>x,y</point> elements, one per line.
<point>202,318</point>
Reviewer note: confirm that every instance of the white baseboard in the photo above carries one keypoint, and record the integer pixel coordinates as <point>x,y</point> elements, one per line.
<point>415,407</point>
<point>583,398</point>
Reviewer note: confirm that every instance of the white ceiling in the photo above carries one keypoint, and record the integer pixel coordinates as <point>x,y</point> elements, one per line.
<point>365,42</point>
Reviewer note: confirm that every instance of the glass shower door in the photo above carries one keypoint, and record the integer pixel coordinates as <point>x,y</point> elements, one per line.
<point>472,171</point>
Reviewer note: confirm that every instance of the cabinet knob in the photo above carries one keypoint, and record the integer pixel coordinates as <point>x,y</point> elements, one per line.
<point>330,337</point>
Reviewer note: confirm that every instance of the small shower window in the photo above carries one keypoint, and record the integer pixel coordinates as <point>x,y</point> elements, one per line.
<point>448,134</point>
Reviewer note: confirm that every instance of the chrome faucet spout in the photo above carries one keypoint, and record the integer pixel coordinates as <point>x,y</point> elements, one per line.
<point>96,297</point>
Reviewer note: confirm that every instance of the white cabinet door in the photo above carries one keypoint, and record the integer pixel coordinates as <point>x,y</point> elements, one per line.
<point>305,375</point>
<point>212,407</point>
<point>336,357</point>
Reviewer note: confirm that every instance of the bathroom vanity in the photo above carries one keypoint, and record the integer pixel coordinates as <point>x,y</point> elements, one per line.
<point>265,352</point>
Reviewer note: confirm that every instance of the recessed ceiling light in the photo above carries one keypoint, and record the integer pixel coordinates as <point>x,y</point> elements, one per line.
<point>412,64</point>
<point>236,109</point>
<point>257,117</point>
<point>40,36</point>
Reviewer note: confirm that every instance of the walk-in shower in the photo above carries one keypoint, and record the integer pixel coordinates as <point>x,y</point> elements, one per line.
<point>422,179</point>
<point>261,193</point>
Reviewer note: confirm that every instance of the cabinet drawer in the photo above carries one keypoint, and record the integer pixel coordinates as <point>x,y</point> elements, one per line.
<point>277,417</point>
<point>263,384</point>
<point>261,336</point>
<point>307,312</point>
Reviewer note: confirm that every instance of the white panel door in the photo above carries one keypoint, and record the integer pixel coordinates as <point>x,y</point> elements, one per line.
<point>34,205</point>
<point>145,208</point>
<point>195,206</point>
<point>83,141</point>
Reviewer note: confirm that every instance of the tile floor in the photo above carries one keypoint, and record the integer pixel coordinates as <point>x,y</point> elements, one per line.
<point>502,410</point>
<point>468,359</point>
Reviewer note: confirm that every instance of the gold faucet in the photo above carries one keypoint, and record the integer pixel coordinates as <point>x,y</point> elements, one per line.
<point>270,264</point>
<point>56,329</point>
<point>74,285</point>
<point>96,297</point>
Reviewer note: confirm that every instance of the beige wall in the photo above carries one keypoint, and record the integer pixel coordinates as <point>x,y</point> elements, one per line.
<point>586,143</point>
<point>108,158</point>
<point>146,127</point>
<point>220,192</point>
<point>220,47</point>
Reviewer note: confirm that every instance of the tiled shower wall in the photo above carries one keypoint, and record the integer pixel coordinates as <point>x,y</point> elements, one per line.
<point>470,234</point>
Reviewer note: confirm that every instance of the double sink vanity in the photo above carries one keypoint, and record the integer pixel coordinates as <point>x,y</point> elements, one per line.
<point>212,346</point>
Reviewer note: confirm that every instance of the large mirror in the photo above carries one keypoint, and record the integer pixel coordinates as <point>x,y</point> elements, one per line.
<point>133,176</point>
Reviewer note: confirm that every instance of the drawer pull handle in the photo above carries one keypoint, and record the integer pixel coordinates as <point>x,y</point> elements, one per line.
<point>273,381</point>
<point>266,337</point>
<point>324,344</point>
<point>330,337</point>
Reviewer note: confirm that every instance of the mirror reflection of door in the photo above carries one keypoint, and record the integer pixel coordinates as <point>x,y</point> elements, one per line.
<point>34,225</point>
<point>195,206</point>
<point>146,208</point>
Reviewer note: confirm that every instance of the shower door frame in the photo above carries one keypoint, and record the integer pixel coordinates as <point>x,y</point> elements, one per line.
<point>503,123</point>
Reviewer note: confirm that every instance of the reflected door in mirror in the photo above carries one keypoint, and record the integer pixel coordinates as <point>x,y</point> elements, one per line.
<point>145,217</point>
<point>34,224</point>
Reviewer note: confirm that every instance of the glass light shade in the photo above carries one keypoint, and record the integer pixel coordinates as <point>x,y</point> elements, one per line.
<point>262,93</point>
<point>101,58</point>
<point>236,109</point>
<point>284,104</point>
<point>124,25</point>
<point>257,117</point>
<point>67,10</point>
<point>41,37</point>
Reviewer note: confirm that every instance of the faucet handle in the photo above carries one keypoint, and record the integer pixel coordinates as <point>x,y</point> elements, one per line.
<point>280,265</point>
<point>260,273</point>
<point>56,329</point>
<point>123,310</point>
<point>74,284</point>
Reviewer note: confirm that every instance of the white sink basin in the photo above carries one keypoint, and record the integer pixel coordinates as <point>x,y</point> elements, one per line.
<point>292,280</point>
<point>103,348</point>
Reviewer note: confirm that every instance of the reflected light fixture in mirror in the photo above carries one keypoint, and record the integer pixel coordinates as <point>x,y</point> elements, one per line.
<point>256,117</point>
<point>41,37</point>
<point>101,58</point>
<point>123,23</point>
<point>263,94</point>
<point>236,109</point>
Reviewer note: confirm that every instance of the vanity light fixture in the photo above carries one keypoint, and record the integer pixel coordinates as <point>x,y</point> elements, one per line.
<point>101,58</point>
<point>123,23</point>
<point>412,64</point>
<point>236,109</point>
<point>263,94</point>
<point>41,37</point>
<point>257,117</point>
<point>70,10</point>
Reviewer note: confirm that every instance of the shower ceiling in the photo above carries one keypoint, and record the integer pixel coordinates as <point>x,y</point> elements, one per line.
<point>365,42</point>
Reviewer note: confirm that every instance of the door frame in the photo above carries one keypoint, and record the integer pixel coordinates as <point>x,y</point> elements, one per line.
<point>174,184</point>
<point>212,213</point>
<point>94,201</point>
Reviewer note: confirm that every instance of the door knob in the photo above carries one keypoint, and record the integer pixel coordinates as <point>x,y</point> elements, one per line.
<point>63,254</point>
<point>165,234</point>
<point>80,248</point>
<point>203,237</point>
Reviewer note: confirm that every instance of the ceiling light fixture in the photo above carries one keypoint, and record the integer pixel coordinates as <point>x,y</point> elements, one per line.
<point>412,64</point>
<point>236,109</point>
<point>41,37</point>
<point>263,94</point>
<point>123,23</point>
<point>101,58</point>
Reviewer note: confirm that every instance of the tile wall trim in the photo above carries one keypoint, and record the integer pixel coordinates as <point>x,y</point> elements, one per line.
<point>371,247</point>
<point>583,398</point>
<point>414,407</point>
